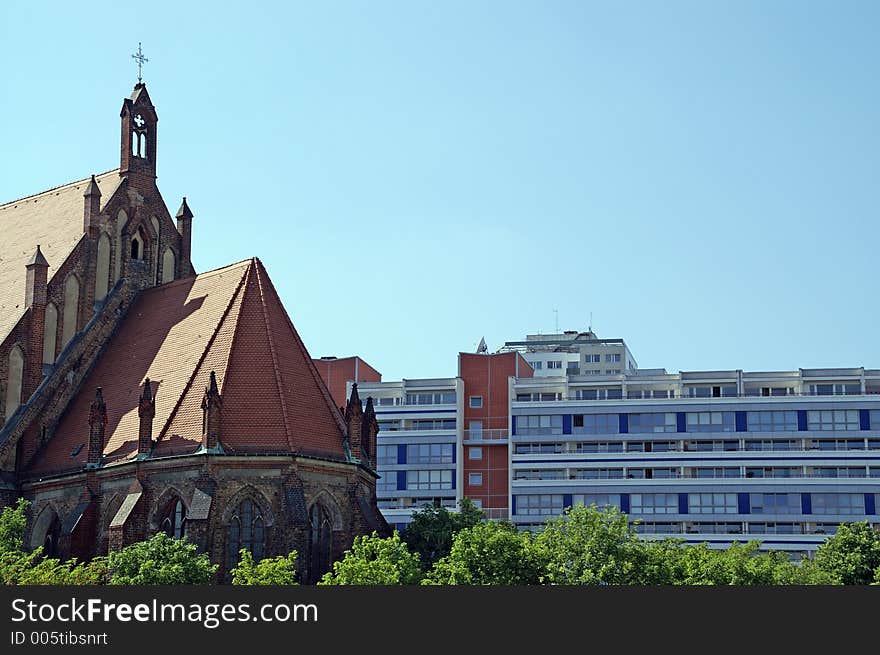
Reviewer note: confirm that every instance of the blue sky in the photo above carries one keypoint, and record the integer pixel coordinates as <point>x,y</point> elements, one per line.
<point>701,176</point>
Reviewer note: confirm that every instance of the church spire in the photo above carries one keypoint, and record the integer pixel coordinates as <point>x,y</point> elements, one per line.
<point>139,124</point>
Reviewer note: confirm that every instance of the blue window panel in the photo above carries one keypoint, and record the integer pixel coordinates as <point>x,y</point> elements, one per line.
<point>566,424</point>
<point>741,424</point>
<point>806,504</point>
<point>682,503</point>
<point>453,479</point>
<point>624,503</point>
<point>454,454</point>
<point>566,500</point>
<point>513,425</point>
<point>870,506</point>
<point>400,527</point>
<point>681,422</point>
<point>401,453</point>
<point>802,420</point>
<point>623,423</point>
<point>865,420</point>
<point>513,506</point>
<point>401,480</point>
<point>742,504</point>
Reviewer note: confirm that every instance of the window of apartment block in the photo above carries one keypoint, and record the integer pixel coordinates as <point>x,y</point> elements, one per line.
<point>475,479</point>
<point>538,504</point>
<point>712,503</point>
<point>386,454</point>
<point>476,402</point>
<point>711,421</point>
<point>597,474</point>
<point>779,421</point>
<point>434,453</point>
<point>845,504</point>
<point>843,389</point>
<point>537,365</point>
<point>772,444</point>
<point>599,447</point>
<point>593,359</point>
<point>532,425</point>
<point>654,503</point>
<point>539,474</point>
<point>773,472</point>
<point>475,428</point>
<point>435,398</point>
<point>836,472</point>
<point>653,422</point>
<point>475,452</point>
<point>595,424</point>
<point>554,363</point>
<point>429,479</point>
<point>837,419</point>
<point>538,448</point>
<point>612,371</point>
<point>388,481</point>
<point>775,503</point>
<point>431,424</point>
<point>615,357</point>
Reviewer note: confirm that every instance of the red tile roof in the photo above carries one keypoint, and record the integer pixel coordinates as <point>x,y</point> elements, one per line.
<point>230,321</point>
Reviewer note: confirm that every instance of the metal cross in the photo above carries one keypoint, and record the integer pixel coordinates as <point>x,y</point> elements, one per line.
<point>140,59</point>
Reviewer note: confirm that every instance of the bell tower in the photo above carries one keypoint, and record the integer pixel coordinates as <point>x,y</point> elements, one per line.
<point>139,123</point>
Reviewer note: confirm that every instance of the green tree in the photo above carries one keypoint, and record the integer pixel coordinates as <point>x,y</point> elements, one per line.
<point>13,521</point>
<point>160,560</point>
<point>738,564</point>
<point>279,570</point>
<point>586,545</point>
<point>375,561</point>
<point>433,528</point>
<point>851,556</point>
<point>18,567</point>
<point>489,553</point>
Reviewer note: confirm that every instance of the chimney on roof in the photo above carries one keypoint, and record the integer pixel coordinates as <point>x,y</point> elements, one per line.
<point>146,413</point>
<point>36,289</point>
<point>354,413</point>
<point>92,205</point>
<point>97,426</point>
<point>184,226</point>
<point>211,407</point>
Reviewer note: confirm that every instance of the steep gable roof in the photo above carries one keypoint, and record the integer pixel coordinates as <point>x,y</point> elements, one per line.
<point>230,321</point>
<point>54,220</point>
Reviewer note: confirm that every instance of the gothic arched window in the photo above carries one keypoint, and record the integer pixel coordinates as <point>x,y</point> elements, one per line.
<point>246,529</point>
<point>50,541</point>
<point>322,539</point>
<point>174,521</point>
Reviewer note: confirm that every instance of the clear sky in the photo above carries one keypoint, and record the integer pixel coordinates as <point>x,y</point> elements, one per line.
<point>701,176</point>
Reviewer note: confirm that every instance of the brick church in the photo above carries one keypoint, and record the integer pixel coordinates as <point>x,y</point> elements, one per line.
<point>138,396</point>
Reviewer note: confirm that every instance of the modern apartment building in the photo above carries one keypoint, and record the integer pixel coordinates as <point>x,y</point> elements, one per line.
<point>707,456</point>
<point>712,456</point>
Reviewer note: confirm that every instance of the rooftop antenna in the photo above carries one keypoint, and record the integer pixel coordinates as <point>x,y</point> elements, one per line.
<point>556,312</point>
<point>590,327</point>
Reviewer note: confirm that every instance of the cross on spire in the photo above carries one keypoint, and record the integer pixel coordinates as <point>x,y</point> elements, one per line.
<point>140,59</point>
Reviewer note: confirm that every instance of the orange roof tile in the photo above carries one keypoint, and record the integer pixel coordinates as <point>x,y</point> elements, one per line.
<point>230,321</point>
<point>54,220</point>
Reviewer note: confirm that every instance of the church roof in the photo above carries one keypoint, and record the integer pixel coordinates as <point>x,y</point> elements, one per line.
<point>54,220</point>
<point>230,321</point>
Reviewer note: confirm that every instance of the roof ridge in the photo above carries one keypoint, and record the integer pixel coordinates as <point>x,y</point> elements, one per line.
<point>197,368</point>
<point>276,367</point>
<point>201,276</point>
<point>55,188</point>
<point>322,386</point>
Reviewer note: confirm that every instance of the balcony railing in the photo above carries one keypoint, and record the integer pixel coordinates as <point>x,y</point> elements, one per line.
<point>487,435</point>
<point>673,396</point>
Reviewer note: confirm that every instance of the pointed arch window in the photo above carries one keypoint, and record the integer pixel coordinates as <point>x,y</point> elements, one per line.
<point>50,333</point>
<point>50,541</point>
<point>14,381</point>
<point>322,540</point>
<point>174,520</point>
<point>246,529</point>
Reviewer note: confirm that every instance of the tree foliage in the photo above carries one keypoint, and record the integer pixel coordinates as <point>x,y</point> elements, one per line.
<point>589,546</point>
<point>433,528</point>
<point>490,553</point>
<point>850,557</point>
<point>160,560</point>
<point>279,570</point>
<point>376,561</point>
